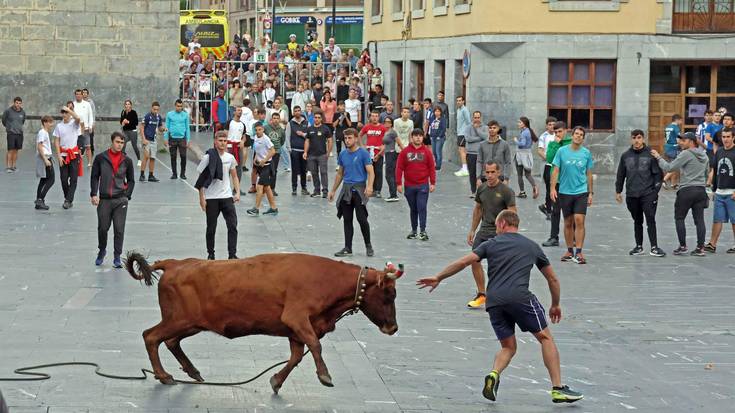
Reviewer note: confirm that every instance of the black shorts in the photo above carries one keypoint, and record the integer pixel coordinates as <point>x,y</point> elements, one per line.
<point>265,173</point>
<point>479,239</point>
<point>15,141</point>
<point>461,141</point>
<point>573,204</point>
<point>529,316</point>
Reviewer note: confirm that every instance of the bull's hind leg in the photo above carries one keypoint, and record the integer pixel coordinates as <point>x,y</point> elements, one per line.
<point>297,353</point>
<point>153,338</point>
<point>174,345</point>
<point>299,322</point>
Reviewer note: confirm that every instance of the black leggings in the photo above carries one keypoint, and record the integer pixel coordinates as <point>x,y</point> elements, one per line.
<point>644,206</point>
<point>45,183</point>
<point>298,169</point>
<point>360,210</point>
<point>132,137</point>
<point>547,183</point>
<point>472,169</point>
<point>694,198</point>
<point>69,174</point>
<point>227,207</point>
<point>113,212</point>
<point>178,145</point>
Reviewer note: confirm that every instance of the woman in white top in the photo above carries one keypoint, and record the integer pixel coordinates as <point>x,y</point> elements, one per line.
<point>44,162</point>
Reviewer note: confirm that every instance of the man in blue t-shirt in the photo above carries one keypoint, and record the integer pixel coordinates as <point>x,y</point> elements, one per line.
<point>573,172</point>
<point>671,148</point>
<point>356,170</point>
<point>510,257</point>
<point>152,124</point>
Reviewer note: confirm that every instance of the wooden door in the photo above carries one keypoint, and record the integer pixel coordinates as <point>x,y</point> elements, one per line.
<point>398,98</point>
<point>660,109</point>
<point>420,80</point>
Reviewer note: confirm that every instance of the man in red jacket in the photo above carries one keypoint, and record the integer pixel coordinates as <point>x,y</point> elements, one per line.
<point>416,164</point>
<point>112,182</point>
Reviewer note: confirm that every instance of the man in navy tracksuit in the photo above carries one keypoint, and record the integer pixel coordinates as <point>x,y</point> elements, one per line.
<point>640,172</point>
<point>112,183</point>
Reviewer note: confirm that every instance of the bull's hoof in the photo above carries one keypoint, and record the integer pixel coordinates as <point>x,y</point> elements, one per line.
<point>325,379</point>
<point>194,374</point>
<point>167,380</point>
<point>275,384</point>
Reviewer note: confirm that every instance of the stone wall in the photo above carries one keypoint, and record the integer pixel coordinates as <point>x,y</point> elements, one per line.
<point>509,76</point>
<point>118,49</point>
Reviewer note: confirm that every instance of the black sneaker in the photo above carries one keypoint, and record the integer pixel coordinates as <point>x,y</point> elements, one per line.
<point>41,204</point>
<point>377,194</point>
<point>543,210</point>
<point>66,205</point>
<point>522,194</point>
<point>638,250</point>
<point>657,252</point>
<point>682,250</point>
<point>344,252</point>
<point>182,176</point>
<point>210,257</point>
<point>324,194</point>
<point>275,193</point>
<point>369,250</point>
<point>142,177</point>
<point>293,192</point>
<point>314,194</point>
<point>710,248</point>
<point>565,395</point>
<point>233,257</point>
<point>412,235</point>
<point>173,176</point>
<point>253,212</point>
<point>492,382</point>
<point>152,178</point>
<point>698,252</point>
<point>423,236</point>
<point>271,211</point>
<point>304,191</point>
<point>551,242</point>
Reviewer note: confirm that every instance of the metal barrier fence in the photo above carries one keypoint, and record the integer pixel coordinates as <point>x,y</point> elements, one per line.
<point>197,92</point>
<point>288,75</point>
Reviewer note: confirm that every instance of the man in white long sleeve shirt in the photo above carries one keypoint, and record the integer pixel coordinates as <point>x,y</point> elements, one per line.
<point>84,110</point>
<point>299,98</point>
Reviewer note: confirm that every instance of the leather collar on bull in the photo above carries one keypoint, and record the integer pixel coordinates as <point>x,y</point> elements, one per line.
<point>298,296</point>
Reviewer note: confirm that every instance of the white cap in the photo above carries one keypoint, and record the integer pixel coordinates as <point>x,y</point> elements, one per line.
<point>291,35</point>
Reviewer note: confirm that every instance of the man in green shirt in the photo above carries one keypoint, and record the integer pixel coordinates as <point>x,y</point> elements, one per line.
<point>274,129</point>
<point>560,139</point>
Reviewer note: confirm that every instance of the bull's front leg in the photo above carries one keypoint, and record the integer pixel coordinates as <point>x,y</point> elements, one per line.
<point>297,353</point>
<point>298,321</point>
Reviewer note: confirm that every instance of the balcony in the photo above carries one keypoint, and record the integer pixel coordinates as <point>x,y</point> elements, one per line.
<point>703,16</point>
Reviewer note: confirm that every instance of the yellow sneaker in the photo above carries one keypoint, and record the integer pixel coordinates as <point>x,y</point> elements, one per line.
<point>477,302</point>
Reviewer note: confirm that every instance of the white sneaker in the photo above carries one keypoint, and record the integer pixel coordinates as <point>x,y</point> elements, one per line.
<point>140,163</point>
<point>462,172</point>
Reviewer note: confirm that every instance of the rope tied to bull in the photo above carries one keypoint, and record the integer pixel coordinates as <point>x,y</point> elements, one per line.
<point>38,376</point>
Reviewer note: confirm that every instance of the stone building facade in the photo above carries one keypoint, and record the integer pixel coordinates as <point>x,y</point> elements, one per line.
<point>118,49</point>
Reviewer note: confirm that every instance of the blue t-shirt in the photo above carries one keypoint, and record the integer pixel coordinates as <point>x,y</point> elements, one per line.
<point>353,164</point>
<point>672,132</point>
<point>151,123</point>
<point>712,129</point>
<point>573,166</point>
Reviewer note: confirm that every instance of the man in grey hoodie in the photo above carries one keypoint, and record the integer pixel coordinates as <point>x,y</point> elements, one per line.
<point>13,119</point>
<point>494,149</point>
<point>692,165</point>
<point>477,133</point>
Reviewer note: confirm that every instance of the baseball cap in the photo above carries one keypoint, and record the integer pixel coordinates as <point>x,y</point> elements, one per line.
<point>688,135</point>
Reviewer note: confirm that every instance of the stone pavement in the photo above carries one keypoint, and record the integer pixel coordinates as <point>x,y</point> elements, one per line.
<point>637,334</point>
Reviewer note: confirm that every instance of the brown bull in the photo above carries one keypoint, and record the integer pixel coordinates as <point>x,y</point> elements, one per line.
<point>298,296</point>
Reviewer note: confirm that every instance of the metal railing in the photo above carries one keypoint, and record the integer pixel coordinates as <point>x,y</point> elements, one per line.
<point>196,91</point>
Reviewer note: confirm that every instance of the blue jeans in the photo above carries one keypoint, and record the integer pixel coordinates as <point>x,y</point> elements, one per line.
<point>437,145</point>
<point>285,158</point>
<point>418,198</point>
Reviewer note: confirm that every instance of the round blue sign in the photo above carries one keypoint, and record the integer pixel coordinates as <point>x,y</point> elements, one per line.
<point>466,63</point>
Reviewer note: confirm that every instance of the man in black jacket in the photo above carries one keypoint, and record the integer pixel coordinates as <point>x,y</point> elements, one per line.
<point>643,178</point>
<point>112,183</point>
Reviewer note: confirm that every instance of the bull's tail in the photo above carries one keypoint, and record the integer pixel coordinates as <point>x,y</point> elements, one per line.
<point>145,272</point>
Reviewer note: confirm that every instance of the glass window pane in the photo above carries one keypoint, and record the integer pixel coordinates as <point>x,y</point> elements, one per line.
<point>698,77</point>
<point>603,96</point>
<point>581,96</point>
<point>604,72</point>
<point>559,114</point>
<point>559,71</point>
<point>581,71</point>
<point>580,117</point>
<point>726,102</point>
<point>695,106</point>
<point>558,96</point>
<point>726,79</point>
<point>602,119</point>
<point>665,78</point>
